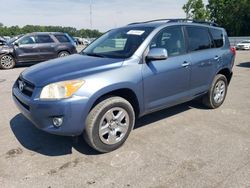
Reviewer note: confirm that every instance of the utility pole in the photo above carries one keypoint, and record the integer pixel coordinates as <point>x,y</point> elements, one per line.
<point>90,14</point>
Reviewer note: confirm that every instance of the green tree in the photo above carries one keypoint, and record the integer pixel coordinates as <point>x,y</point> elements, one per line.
<point>234,15</point>
<point>1,24</point>
<point>195,9</point>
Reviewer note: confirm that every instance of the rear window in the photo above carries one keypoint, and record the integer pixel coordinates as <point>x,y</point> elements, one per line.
<point>198,38</point>
<point>217,35</point>
<point>62,38</point>
<point>43,39</point>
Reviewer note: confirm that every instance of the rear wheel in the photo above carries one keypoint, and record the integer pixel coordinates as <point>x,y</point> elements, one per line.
<point>63,54</point>
<point>109,123</point>
<point>217,93</point>
<point>7,62</point>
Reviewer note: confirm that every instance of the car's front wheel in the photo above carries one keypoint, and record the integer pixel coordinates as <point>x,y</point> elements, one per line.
<point>7,62</point>
<point>217,92</point>
<point>109,124</point>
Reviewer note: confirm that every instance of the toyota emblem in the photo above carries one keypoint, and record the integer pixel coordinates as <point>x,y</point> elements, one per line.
<point>21,85</point>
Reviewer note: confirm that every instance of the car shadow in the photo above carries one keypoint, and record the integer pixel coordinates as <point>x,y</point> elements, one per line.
<point>44,143</point>
<point>168,112</point>
<point>244,64</point>
<point>52,145</point>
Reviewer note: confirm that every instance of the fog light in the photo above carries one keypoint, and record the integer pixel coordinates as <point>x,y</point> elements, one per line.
<point>57,121</point>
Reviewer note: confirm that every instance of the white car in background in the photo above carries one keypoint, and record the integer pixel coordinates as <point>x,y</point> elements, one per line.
<point>244,45</point>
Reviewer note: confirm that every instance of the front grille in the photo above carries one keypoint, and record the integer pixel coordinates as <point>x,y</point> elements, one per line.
<point>25,87</point>
<point>24,105</point>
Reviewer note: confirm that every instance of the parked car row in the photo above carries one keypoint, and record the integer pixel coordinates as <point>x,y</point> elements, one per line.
<point>244,45</point>
<point>35,47</point>
<point>83,41</point>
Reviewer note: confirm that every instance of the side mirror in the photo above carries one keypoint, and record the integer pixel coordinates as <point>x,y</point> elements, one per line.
<point>157,54</point>
<point>16,44</point>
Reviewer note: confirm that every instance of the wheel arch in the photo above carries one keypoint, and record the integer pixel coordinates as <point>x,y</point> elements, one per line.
<point>125,93</point>
<point>62,50</point>
<point>227,73</point>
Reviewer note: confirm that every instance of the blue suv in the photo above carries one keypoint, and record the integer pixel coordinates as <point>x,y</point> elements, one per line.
<point>127,73</point>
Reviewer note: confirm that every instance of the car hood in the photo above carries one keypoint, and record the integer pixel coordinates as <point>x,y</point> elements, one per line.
<point>68,68</point>
<point>5,48</point>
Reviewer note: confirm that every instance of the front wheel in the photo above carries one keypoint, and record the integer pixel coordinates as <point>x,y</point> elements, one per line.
<point>217,93</point>
<point>109,124</point>
<point>7,62</point>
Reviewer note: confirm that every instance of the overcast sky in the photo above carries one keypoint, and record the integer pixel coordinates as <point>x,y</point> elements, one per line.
<point>107,14</point>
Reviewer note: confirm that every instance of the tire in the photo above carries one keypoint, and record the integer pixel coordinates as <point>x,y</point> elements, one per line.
<point>7,62</point>
<point>217,92</point>
<point>103,130</point>
<point>63,54</point>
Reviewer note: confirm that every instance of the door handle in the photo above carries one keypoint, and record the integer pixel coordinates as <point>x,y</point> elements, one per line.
<point>185,64</point>
<point>216,57</point>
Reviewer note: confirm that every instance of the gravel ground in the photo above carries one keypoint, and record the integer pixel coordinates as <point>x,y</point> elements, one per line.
<point>184,146</point>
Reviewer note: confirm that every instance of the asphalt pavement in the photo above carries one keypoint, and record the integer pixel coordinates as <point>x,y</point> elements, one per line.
<point>183,146</point>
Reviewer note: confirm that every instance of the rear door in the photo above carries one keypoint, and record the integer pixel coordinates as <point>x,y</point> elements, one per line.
<point>27,49</point>
<point>64,43</point>
<point>166,82</point>
<point>203,58</point>
<point>46,46</point>
<point>224,56</point>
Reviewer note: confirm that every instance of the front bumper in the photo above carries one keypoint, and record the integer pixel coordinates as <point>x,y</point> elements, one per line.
<point>41,113</point>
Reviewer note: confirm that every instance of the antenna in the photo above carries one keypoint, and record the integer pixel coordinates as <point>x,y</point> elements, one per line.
<point>90,14</point>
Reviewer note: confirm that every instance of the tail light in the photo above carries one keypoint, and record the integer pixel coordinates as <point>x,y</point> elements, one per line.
<point>233,50</point>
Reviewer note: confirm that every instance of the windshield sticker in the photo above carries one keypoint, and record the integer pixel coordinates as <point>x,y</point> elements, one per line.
<point>135,32</point>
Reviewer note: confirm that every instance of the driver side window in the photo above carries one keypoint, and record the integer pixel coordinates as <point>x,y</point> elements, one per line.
<point>172,39</point>
<point>27,40</point>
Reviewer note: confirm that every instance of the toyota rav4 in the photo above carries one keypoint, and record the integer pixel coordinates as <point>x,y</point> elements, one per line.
<point>127,73</point>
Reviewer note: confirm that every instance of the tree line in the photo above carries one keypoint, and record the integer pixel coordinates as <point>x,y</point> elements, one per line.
<point>233,15</point>
<point>16,30</point>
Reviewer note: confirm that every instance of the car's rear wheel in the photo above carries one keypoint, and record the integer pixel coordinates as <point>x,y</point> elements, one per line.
<point>217,92</point>
<point>63,54</point>
<point>7,62</point>
<point>109,123</point>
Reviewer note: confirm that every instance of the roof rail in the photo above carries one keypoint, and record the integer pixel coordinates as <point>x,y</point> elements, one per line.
<point>178,20</point>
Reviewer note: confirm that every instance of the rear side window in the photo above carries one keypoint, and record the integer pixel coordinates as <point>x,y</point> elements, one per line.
<point>44,39</point>
<point>217,35</point>
<point>62,38</point>
<point>198,38</point>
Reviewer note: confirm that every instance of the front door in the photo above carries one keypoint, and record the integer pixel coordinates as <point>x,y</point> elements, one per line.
<point>27,50</point>
<point>166,82</point>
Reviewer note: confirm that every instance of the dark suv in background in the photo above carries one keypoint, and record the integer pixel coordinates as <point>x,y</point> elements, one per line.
<point>36,47</point>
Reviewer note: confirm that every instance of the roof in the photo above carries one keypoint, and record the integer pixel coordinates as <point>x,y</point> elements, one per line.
<point>52,33</point>
<point>160,22</point>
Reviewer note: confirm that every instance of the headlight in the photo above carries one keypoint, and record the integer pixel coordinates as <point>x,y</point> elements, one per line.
<point>61,90</point>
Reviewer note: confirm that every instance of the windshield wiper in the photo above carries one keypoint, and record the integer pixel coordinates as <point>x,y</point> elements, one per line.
<point>93,54</point>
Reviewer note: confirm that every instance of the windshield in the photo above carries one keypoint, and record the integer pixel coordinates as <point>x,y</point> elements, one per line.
<point>12,40</point>
<point>118,43</point>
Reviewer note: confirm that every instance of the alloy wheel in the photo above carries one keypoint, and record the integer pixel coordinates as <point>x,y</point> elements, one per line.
<point>114,125</point>
<point>7,62</point>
